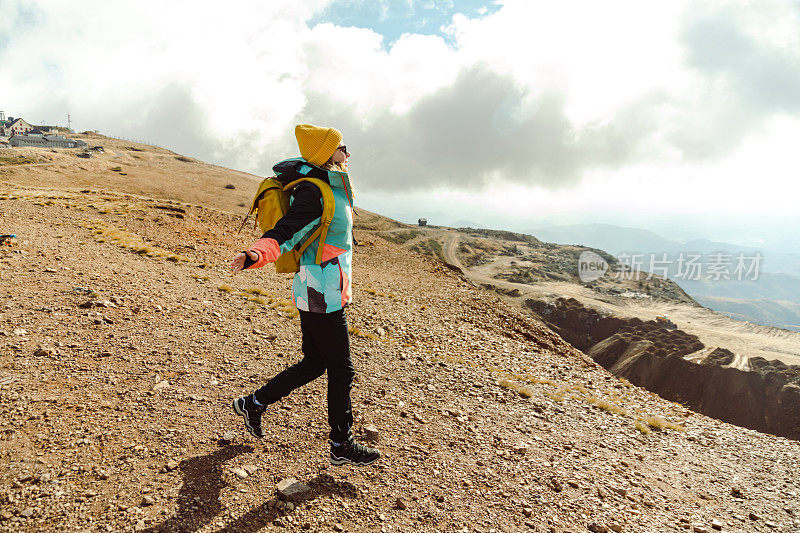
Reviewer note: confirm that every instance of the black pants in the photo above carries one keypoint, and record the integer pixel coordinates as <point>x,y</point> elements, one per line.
<point>326,346</point>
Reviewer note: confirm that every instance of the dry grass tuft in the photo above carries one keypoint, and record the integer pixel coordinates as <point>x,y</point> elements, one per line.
<point>130,241</point>
<point>607,406</point>
<point>660,424</point>
<point>257,290</point>
<point>555,396</point>
<point>358,333</point>
<point>522,390</point>
<point>370,290</point>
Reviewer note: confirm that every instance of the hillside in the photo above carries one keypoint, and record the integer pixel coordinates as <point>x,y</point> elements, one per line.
<point>123,338</point>
<point>771,300</point>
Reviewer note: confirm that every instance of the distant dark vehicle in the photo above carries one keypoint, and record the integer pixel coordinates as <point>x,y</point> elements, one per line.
<point>97,149</point>
<point>84,155</point>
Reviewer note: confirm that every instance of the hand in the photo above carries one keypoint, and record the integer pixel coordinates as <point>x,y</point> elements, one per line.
<point>238,262</point>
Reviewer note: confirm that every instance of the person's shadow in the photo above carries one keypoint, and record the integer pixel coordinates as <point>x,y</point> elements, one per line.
<point>258,517</point>
<point>198,498</point>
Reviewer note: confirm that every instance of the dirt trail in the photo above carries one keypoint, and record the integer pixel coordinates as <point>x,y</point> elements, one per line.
<point>743,338</point>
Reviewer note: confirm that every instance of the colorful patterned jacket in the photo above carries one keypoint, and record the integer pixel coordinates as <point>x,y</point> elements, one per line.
<point>322,288</point>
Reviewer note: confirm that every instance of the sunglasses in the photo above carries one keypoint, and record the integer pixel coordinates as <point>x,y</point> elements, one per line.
<point>343,149</point>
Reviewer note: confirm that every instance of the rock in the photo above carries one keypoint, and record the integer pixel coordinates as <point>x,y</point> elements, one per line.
<point>239,472</point>
<point>19,332</point>
<point>597,528</point>
<point>556,485</point>
<point>161,385</point>
<point>619,490</point>
<point>521,448</point>
<point>228,437</point>
<point>527,511</point>
<point>716,524</point>
<point>699,529</point>
<point>88,304</point>
<point>250,469</point>
<point>753,516</point>
<point>400,504</point>
<point>42,352</point>
<point>616,528</point>
<point>172,465</point>
<point>230,186</point>
<point>371,433</point>
<point>27,512</point>
<point>292,490</point>
<point>338,527</point>
<point>148,500</point>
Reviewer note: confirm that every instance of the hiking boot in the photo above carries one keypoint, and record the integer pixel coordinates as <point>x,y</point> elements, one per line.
<point>353,453</point>
<point>252,414</point>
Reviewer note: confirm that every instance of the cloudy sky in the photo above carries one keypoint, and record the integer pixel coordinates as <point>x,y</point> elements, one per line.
<point>679,117</point>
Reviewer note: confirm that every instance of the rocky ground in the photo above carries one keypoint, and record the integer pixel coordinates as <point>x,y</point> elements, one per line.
<point>123,339</point>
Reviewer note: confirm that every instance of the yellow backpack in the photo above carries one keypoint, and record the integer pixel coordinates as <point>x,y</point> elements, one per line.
<point>271,202</point>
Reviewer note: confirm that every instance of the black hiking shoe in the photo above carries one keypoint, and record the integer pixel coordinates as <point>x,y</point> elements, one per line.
<point>353,453</point>
<point>252,414</point>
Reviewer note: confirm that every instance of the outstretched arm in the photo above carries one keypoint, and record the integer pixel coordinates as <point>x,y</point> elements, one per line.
<point>306,207</point>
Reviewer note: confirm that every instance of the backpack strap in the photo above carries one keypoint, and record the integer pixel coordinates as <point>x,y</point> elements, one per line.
<point>328,208</point>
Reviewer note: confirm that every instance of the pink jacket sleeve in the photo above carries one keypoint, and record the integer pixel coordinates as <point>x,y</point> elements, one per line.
<point>268,252</point>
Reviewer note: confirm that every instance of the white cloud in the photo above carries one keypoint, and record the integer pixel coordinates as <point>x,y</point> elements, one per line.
<point>535,96</point>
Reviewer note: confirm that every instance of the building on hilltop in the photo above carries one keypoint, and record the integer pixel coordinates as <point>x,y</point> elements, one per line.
<point>13,126</point>
<point>46,141</point>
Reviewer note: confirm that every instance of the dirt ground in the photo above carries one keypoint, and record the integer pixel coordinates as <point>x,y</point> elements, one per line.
<point>123,339</point>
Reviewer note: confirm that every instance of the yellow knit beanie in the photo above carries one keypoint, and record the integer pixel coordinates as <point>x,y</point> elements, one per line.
<point>317,145</point>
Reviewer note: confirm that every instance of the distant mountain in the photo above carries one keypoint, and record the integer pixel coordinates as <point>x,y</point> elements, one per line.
<point>467,224</point>
<point>773,299</point>
<point>778,313</point>
<point>619,239</point>
<point>608,237</point>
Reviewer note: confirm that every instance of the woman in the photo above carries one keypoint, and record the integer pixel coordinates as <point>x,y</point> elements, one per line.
<point>320,292</point>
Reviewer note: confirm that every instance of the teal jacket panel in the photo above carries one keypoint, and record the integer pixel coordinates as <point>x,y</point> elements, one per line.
<point>326,287</point>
